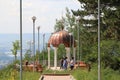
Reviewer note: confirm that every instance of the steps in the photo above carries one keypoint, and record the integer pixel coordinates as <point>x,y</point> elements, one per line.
<point>56,77</point>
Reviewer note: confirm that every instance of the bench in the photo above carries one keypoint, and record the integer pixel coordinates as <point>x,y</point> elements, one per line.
<point>82,65</point>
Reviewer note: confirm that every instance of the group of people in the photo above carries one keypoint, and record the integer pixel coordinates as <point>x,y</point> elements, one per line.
<point>64,63</point>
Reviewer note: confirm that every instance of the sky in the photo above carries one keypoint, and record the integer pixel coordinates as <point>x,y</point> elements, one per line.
<point>46,12</point>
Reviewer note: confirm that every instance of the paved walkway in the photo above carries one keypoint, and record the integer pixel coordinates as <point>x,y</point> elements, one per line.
<point>56,77</point>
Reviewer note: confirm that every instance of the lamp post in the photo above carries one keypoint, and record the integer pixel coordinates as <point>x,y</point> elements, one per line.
<point>34,18</point>
<point>20,39</point>
<point>38,43</point>
<point>99,63</point>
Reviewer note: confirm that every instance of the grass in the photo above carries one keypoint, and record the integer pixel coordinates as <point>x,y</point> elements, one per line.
<point>12,74</point>
<point>30,76</point>
<point>79,74</point>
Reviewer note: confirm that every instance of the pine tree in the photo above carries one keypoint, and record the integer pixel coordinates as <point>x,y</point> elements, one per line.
<point>110,17</point>
<point>109,28</point>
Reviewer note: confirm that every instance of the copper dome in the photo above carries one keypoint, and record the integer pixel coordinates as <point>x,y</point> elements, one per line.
<point>61,37</point>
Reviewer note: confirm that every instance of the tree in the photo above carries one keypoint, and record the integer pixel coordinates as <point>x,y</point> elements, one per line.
<point>61,51</point>
<point>59,25</point>
<point>109,29</point>
<point>16,47</point>
<point>70,23</point>
<point>110,54</point>
<point>66,22</point>
<point>27,55</point>
<point>110,17</point>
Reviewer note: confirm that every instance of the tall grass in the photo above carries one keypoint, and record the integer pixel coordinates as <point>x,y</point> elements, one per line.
<point>29,76</point>
<point>109,74</point>
<point>106,74</point>
<point>10,73</point>
<point>79,74</point>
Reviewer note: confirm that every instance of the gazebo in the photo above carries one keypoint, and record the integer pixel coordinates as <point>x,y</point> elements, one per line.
<point>61,37</point>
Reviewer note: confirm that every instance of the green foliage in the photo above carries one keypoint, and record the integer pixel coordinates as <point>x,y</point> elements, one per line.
<point>16,47</point>
<point>109,16</point>
<point>6,72</point>
<point>110,45</point>
<point>106,74</point>
<point>109,74</point>
<point>37,56</point>
<point>67,22</point>
<point>110,53</point>
<point>27,55</point>
<point>29,76</point>
<point>109,28</point>
<point>59,25</point>
<point>61,51</point>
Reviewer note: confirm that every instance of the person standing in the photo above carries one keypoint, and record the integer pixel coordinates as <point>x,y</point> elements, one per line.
<point>65,63</point>
<point>72,62</point>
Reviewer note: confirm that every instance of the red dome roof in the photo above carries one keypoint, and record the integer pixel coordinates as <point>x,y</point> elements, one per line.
<point>61,37</point>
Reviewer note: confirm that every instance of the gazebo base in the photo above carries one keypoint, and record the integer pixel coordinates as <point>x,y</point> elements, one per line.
<point>55,68</point>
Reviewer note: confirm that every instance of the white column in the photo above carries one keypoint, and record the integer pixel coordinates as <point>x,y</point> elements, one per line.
<point>68,53</point>
<point>74,54</point>
<point>48,57</point>
<point>55,57</point>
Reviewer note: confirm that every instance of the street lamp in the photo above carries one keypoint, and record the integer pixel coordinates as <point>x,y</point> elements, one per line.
<point>99,63</point>
<point>34,18</point>
<point>20,39</point>
<point>38,42</point>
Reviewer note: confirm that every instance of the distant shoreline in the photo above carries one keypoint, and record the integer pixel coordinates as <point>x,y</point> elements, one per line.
<point>6,45</point>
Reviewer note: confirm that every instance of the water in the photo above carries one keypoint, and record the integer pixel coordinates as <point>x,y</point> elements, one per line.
<point>6,40</point>
<point>5,60</point>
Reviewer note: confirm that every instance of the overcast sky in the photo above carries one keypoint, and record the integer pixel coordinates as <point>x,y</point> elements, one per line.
<point>46,12</point>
